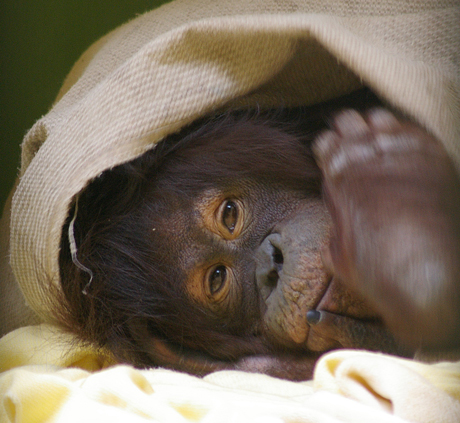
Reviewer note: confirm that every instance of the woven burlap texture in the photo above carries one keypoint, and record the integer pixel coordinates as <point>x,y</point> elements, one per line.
<point>164,69</point>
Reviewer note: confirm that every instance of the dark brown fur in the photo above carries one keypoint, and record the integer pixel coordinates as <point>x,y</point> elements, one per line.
<point>134,276</point>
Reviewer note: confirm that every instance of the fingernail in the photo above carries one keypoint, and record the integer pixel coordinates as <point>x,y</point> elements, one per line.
<point>313,317</point>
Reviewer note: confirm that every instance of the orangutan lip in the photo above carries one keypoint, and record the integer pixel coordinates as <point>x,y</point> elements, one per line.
<point>332,331</point>
<point>327,301</point>
<point>333,324</point>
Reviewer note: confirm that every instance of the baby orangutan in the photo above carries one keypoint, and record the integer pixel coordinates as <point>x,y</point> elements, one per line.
<point>227,247</point>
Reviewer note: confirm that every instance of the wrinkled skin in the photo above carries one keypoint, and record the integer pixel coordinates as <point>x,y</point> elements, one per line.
<point>252,248</point>
<point>396,239</point>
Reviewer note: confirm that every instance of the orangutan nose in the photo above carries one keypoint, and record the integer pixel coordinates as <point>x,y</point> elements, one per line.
<point>269,259</point>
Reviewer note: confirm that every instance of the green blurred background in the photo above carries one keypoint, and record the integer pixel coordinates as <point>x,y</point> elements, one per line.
<point>40,40</point>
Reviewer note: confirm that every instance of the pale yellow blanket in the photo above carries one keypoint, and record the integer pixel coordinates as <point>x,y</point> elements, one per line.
<point>43,382</point>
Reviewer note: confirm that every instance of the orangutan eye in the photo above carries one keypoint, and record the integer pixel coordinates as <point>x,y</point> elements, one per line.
<point>217,279</point>
<point>230,216</point>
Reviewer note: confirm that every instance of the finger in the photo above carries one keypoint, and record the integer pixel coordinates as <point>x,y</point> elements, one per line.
<point>347,125</point>
<point>382,120</point>
<point>351,123</point>
<point>330,326</point>
<point>329,330</point>
<point>324,147</point>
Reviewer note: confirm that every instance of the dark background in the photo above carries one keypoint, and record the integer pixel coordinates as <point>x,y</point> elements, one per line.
<point>40,40</point>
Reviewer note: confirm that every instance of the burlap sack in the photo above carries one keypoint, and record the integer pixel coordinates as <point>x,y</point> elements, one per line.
<point>164,69</point>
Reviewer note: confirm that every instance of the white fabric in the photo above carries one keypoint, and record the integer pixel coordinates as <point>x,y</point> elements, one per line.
<point>42,379</point>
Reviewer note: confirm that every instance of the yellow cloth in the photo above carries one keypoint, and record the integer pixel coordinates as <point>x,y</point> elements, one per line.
<point>46,377</point>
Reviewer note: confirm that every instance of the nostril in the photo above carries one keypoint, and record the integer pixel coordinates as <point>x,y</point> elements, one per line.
<point>277,256</point>
<point>272,279</point>
<point>269,265</point>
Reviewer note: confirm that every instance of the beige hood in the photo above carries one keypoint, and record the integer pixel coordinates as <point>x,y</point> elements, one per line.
<point>164,69</point>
